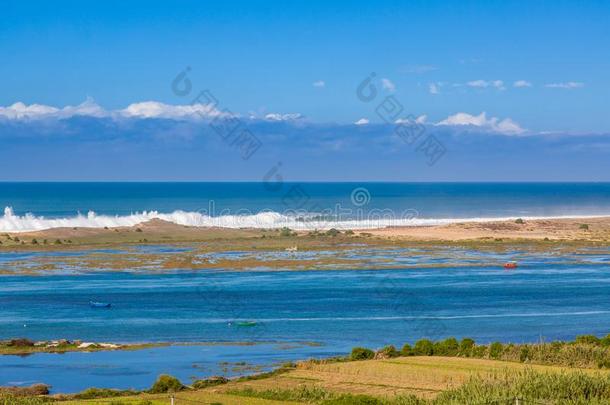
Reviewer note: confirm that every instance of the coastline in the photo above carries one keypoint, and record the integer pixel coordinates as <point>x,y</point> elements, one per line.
<point>159,246</point>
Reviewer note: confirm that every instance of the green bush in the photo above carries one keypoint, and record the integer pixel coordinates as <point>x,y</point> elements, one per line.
<point>92,393</point>
<point>524,353</point>
<point>8,399</point>
<point>466,346</point>
<point>495,350</point>
<point>519,221</point>
<point>361,353</point>
<point>166,383</point>
<point>447,347</point>
<point>584,227</point>
<point>210,382</point>
<point>406,350</point>
<point>388,351</point>
<point>423,347</point>
<point>605,341</point>
<point>286,232</point>
<point>333,232</point>
<point>587,339</point>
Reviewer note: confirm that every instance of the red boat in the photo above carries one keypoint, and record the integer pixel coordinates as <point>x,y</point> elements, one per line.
<point>510,265</point>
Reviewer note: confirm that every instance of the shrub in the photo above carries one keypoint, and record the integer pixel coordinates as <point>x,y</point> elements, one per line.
<point>57,242</point>
<point>349,232</point>
<point>423,347</point>
<point>388,352</point>
<point>584,227</point>
<point>333,232</point>
<point>524,353</point>
<point>285,232</point>
<point>587,339</point>
<point>361,353</point>
<point>406,350</point>
<point>8,399</point>
<point>519,221</point>
<point>447,347</point>
<point>466,346</point>
<point>138,230</point>
<point>92,393</point>
<point>495,350</point>
<point>605,341</point>
<point>34,242</point>
<point>210,382</point>
<point>32,390</point>
<point>166,383</point>
<point>21,342</point>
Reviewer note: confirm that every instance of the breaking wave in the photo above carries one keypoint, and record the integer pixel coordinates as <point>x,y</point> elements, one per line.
<point>10,222</point>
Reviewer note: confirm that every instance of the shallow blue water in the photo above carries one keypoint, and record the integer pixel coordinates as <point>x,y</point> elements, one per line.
<point>547,297</point>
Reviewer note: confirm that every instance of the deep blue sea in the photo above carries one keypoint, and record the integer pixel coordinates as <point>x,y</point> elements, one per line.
<point>31,206</point>
<point>552,295</point>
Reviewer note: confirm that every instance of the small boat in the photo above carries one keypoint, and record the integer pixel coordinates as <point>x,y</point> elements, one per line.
<point>510,265</point>
<point>246,323</point>
<point>95,304</point>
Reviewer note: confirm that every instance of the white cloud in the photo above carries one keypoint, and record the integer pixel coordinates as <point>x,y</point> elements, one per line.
<point>565,85</point>
<point>482,84</point>
<point>362,121</point>
<point>319,83</point>
<point>505,126</point>
<point>522,83</point>
<point>478,83</point>
<point>434,88</point>
<point>388,85</point>
<point>283,117</point>
<point>419,120</point>
<point>155,109</point>
<point>20,110</point>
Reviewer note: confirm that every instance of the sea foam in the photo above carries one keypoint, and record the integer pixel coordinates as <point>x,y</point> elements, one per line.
<point>10,222</point>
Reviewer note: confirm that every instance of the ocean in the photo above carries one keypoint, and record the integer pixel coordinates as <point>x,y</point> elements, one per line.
<point>553,294</point>
<point>274,204</point>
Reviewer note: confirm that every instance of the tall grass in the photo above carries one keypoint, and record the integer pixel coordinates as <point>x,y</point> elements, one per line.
<point>573,388</point>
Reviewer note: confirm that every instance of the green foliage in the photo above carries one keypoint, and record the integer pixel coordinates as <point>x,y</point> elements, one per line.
<point>495,350</point>
<point>92,393</point>
<point>423,347</point>
<point>584,227</point>
<point>286,232</point>
<point>519,221</point>
<point>166,383</point>
<point>210,382</point>
<point>406,350</point>
<point>587,339</point>
<point>349,232</point>
<point>388,352</point>
<point>534,387</point>
<point>447,347</point>
<point>361,353</point>
<point>466,346</point>
<point>333,232</point>
<point>8,399</point>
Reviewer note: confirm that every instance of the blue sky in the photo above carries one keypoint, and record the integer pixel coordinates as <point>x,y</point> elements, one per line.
<point>533,68</point>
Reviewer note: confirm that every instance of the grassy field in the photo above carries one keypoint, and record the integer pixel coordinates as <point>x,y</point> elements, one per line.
<point>406,380</point>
